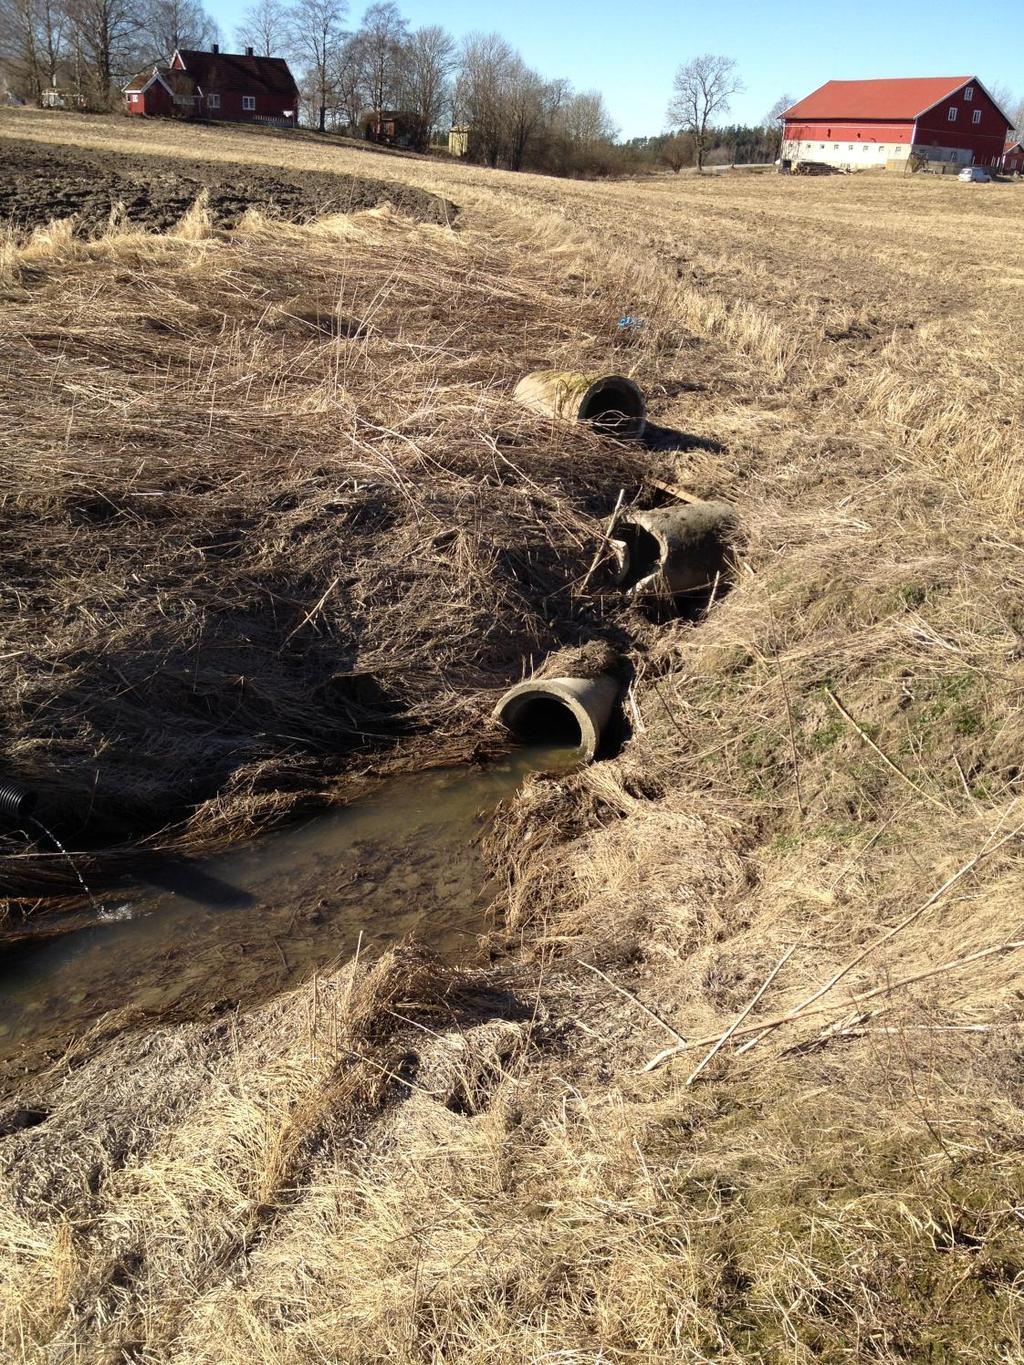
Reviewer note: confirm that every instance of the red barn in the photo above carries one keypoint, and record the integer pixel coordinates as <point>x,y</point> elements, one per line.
<point>217,85</point>
<point>867,123</point>
<point>1013,157</point>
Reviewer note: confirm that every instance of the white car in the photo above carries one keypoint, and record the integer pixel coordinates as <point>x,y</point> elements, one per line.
<point>974,175</point>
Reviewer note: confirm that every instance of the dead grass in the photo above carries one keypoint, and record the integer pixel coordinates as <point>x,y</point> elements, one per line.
<point>828,766</point>
<point>268,506</point>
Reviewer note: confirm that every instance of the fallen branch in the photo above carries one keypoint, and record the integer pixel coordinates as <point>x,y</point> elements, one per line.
<point>639,1003</point>
<point>985,851</point>
<point>743,1013</point>
<point>791,1016</point>
<point>942,805</point>
<point>604,541</point>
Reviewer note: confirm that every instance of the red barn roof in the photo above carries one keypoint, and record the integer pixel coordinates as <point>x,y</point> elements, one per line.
<point>889,99</point>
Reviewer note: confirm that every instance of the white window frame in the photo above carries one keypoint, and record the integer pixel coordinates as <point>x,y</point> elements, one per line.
<point>951,116</point>
<point>976,116</point>
<point>249,103</point>
<point>213,101</point>
<point>969,93</point>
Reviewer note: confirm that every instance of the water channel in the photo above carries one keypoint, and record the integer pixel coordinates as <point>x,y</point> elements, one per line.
<point>194,937</point>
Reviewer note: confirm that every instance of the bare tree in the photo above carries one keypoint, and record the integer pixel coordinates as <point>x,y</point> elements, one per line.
<point>1004,97</point>
<point>315,36</point>
<point>105,35</point>
<point>379,45</point>
<point>773,121</point>
<point>701,90</point>
<point>578,133</point>
<point>166,25</point>
<point>264,28</point>
<point>347,83</point>
<point>428,64</point>
<point>484,64</point>
<point>33,45</point>
<point>19,47</point>
<point>523,109</point>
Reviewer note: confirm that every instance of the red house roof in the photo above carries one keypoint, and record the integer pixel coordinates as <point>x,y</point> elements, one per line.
<point>178,83</point>
<point>222,71</point>
<point>890,99</point>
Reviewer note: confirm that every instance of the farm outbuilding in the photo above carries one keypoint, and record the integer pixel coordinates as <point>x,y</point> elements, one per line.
<point>394,128</point>
<point>856,124</point>
<point>1013,157</point>
<point>238,87</point>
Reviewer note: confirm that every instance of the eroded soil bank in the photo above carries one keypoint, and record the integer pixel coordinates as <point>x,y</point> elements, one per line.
<point>317,535</point>
<point>39,183</point>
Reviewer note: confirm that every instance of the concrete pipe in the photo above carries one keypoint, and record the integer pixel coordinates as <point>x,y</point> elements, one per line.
<point>570,711</point>
<point>611,403</point>
<point>669,551</point>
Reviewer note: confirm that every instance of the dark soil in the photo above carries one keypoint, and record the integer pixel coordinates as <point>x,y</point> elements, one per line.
<point>41,183</point>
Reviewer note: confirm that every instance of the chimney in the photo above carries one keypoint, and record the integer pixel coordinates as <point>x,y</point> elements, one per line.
<point>248,51</point>
<point>215,47</point>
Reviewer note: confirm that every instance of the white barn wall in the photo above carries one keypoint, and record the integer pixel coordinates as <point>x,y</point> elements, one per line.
<point>856,154</point>
<point>859,155</point>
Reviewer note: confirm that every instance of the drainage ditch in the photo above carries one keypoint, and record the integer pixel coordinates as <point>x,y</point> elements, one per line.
<point>195,937</point>
<point>199,936</point>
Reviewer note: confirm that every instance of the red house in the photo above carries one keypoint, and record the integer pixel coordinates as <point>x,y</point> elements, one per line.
<point>217,85</point>
<point>1013,157</point>
<point>867,123</point>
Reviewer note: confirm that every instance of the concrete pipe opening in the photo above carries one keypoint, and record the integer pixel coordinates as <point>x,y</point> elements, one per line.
<point>640,554</point>
<point>544,720</point>
<point>563,712</point>
<point>610,403</point>
<point>676,551</point>
<point>616,406</point>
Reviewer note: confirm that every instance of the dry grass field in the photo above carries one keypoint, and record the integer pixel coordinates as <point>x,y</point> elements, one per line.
<point>739,1076</point>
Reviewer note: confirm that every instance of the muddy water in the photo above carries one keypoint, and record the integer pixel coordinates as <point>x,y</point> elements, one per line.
<point>197,937</point>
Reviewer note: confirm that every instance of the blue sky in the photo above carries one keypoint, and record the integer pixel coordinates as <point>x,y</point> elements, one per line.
<point>630,51</point>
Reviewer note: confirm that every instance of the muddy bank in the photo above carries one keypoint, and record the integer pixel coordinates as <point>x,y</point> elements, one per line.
<point>193,938</point>
<point>39,184</point>
<point>272,518</point>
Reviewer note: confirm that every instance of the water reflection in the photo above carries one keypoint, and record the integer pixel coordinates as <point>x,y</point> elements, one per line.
<point>198,936</point>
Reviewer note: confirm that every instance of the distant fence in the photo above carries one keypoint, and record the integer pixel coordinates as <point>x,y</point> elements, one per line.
<point>910,165</point>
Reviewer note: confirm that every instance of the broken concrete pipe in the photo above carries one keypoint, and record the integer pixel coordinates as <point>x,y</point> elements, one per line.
<point>570,711</point>
<point>16,801</point>
<point>610,403</point>
<point>669,551</point>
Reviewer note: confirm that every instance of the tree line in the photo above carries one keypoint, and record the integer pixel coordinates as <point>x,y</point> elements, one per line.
<point>348,76</point>
<point>514,117</point>
<point>87,46</point>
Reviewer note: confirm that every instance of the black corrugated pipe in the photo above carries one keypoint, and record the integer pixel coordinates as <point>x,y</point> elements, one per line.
<point>16,801</point>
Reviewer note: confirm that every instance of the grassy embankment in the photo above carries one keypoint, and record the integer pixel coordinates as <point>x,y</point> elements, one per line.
<point>821,794</point>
